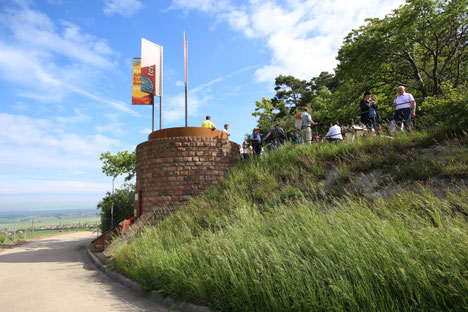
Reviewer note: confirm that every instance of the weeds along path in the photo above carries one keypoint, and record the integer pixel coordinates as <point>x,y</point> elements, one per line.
<point>55,274</point>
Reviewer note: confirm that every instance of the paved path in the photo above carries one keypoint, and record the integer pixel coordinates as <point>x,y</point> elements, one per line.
<point>55,274</point>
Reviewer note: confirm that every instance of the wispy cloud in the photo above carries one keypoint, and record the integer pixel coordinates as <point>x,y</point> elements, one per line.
<point>302,35</point>
<point>30,54</point>
<point>43,143</point>
<point>175,105</point>
<point>126,8</point>
<point>28,186</point>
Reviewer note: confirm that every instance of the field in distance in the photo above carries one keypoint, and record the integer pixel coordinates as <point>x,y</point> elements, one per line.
<point>44,219</point>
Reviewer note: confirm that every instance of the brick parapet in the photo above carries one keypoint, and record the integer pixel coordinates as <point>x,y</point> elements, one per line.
<point>171,171</point>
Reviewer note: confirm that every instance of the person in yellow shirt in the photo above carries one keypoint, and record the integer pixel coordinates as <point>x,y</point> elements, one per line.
<point>208,124</point>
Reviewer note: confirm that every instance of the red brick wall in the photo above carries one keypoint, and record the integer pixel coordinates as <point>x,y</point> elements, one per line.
<point>170,171</point>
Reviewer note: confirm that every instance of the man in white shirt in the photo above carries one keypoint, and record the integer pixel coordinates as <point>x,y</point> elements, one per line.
<point>404,106</point>
<point>225,130</point>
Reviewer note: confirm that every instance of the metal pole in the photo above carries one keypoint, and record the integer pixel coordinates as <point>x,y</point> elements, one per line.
<point>14,232</point>
<point>161,97</point>
<point>152,115</point>
<point>186,70</point>
<point>112,208</point>
<point>33,228</point>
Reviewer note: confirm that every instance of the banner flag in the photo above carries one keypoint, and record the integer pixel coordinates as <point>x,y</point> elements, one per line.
<point>151,67</point>
<point>138,96</point>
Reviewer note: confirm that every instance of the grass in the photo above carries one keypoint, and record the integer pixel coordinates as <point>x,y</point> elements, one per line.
<point>276,236</point>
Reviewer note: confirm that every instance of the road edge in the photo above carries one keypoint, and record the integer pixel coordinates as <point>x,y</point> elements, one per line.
<point>133,285</point>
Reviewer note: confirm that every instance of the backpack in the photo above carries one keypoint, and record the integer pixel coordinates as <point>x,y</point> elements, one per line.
<point>298,123</point>
<point>281,134</point>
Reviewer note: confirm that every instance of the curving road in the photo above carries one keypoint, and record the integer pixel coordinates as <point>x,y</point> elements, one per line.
<point>55,274</point>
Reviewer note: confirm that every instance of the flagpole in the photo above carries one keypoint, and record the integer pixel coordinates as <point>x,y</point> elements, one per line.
<point>152,115</point>
<point>186,65</point>
<point>161,97</point>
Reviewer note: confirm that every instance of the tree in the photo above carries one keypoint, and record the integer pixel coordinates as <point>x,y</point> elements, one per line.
<point>122,200</point>
<point>115,165</point>
<point>121,163</point>
<point>421,45</point>
<point>267,113</point>
<point>291,91</point>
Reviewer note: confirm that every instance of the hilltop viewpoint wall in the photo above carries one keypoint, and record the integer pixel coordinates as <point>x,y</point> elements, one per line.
<point>176,164</point>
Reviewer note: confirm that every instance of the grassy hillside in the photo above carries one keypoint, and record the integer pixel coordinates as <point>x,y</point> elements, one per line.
<point>376,225</point>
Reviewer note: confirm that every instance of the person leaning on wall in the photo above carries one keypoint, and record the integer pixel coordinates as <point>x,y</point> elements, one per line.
<point>208,124</point>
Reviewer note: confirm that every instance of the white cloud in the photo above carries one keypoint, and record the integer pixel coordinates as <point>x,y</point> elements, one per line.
<point>27,142</point>
<point>179,83</point>
<point>303,35</point>
<point>174,105</point>
<point>50,186</point>
<point>30,52</point>
<point>78,117</point>
<point>145,131</point>
<point>126,8</point>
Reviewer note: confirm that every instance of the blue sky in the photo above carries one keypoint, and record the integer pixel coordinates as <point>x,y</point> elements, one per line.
<point>66,71</point>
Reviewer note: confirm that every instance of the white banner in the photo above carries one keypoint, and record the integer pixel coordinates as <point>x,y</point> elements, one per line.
<point>151,67</point>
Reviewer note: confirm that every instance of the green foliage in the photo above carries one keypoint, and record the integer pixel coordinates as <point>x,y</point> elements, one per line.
<point>121,163</point>
<point>421,45</point>
<point>123,206</point>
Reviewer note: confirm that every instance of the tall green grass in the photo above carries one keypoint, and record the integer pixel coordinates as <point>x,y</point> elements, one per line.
<point>275,237</point>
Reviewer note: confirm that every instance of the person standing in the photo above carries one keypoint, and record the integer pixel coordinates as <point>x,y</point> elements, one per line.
<point>275,137</point>
<point>246,150</point>
<point>225,129</point>
<point>404,106</point>
<point>256,141</point>
<point>307,122</point>
<point>369,115</point>
<point>208,124</point>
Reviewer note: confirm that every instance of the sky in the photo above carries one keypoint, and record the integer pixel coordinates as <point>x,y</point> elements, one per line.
<point>66,78</point>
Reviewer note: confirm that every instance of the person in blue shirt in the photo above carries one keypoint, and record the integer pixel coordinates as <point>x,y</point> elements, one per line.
<point>369,115</point>
<point>256,141</point>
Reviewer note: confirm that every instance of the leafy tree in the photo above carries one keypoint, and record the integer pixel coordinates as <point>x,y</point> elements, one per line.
<point>324,79</point>
<point>419,45</point>
<point>267,113</point>
<point>291,91</point>
<point>115,165</point>
<point>121,163</point>
<point>123,206</point>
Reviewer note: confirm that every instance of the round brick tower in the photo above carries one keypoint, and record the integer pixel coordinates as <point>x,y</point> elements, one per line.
<point>177,164</point>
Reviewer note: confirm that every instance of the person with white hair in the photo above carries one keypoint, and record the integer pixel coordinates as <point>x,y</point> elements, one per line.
<point>404,106</point>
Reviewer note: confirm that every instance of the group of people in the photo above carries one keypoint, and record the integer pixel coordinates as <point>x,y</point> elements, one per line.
<point>404,105</point>
<point>405,110</point>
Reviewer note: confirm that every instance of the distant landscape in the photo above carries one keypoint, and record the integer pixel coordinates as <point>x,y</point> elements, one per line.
<point>47,220</point>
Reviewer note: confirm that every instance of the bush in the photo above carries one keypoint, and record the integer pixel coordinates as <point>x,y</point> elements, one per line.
<point>123,206</point>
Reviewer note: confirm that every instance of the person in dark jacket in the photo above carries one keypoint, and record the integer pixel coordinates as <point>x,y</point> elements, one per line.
<point>369,115</point>
<point>275,137</point>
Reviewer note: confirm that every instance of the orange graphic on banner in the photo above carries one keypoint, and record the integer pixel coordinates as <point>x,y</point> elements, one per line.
<point>138,96</point>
